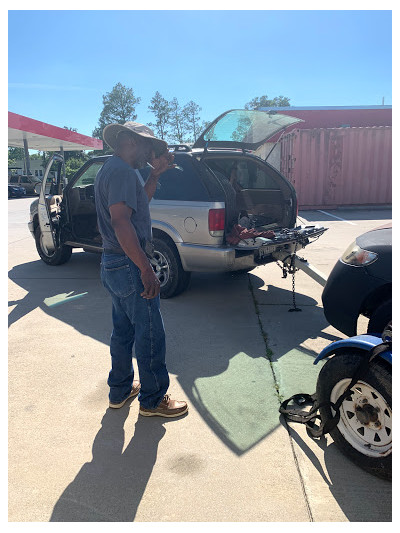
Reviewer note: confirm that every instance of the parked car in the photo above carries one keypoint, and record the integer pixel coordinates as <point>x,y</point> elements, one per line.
<point>218,182</point>
<point>361,284</point>
<point>28,182</point>
<point>15,191</point>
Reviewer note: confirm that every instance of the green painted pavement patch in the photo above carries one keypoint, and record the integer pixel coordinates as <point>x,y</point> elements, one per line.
<point>295,372</point>
<point>241,403</point>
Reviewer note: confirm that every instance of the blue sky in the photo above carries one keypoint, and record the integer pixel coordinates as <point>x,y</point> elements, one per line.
<point>61,63</point>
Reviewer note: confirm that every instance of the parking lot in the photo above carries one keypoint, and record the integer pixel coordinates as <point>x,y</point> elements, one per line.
<point>233,351</point>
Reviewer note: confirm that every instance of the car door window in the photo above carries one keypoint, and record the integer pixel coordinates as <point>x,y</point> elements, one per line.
<point>89,175</point>
<point>24,179</point>
<point>14,179</point>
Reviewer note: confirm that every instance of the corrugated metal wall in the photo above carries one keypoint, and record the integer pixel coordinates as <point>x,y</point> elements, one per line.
<point>339,166</point>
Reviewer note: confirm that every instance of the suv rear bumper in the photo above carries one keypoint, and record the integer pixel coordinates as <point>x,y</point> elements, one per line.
<point>198,258</point>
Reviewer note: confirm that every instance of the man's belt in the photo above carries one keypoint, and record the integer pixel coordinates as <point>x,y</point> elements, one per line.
<point>118,251</point>
<point>147,246</point>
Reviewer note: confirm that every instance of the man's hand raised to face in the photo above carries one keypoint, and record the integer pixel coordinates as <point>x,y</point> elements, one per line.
<point>161,164</point>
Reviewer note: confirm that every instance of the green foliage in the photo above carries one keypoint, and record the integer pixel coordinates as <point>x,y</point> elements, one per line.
<point>118,107</point>
<point>264,101</point>
<point>192,120</point>
<point>15,154</point>
<point>176,122</point>
<point>73,164</point>
<point>161,109</point>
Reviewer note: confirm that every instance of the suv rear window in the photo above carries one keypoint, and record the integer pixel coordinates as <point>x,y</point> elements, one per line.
<point>248,174</point>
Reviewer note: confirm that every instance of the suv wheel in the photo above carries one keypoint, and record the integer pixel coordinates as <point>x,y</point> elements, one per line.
<point>168,268</point>
<point>58,257</point>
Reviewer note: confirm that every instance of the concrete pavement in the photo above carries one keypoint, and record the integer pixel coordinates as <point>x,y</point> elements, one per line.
<point>232,349</point>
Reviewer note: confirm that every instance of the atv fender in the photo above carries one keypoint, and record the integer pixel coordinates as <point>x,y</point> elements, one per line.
<point>361,342</point>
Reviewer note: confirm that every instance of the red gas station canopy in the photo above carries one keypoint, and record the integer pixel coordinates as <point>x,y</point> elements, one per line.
<point>45,137</point>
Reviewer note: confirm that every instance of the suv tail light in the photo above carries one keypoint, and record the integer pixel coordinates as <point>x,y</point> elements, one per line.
<point>216,222</point>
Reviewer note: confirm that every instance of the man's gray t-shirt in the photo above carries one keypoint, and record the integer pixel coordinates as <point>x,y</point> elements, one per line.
<point>116,182</point>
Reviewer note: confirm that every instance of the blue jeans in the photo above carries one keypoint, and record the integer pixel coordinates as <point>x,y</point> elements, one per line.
<point>136,321</point>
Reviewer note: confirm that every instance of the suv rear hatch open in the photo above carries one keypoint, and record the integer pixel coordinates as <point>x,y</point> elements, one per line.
<point>252,187</point>
<point>258,197</point>
<point>244,129</point>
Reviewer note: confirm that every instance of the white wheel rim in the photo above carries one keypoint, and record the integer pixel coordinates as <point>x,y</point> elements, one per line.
<point>161,267</point>
<point>373,437</point>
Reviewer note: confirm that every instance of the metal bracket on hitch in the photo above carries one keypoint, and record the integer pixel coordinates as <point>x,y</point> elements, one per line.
<point>301,264</point>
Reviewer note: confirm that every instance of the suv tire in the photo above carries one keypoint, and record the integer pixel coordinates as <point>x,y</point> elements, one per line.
<point>169,270</point>
<point>58,257</point>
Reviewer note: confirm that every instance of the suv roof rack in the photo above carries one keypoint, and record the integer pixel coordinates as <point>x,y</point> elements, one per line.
<point>180,147</point>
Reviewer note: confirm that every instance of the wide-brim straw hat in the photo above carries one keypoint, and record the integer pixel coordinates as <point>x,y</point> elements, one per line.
<point>111,132</point>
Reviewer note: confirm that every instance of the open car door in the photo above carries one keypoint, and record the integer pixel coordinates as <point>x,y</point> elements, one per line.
<point>45,222</point>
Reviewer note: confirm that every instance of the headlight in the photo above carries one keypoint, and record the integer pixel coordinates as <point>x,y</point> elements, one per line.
<point>356,256</point>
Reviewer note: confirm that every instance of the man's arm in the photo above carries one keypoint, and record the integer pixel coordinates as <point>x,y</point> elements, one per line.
<point>151,185</point>
<point>160,165</point>
<point>127,238</point>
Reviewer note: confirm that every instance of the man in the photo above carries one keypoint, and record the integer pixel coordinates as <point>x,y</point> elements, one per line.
<point>123,213</point>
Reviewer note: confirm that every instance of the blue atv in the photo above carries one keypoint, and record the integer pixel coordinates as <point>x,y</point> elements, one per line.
<point>353,401</point>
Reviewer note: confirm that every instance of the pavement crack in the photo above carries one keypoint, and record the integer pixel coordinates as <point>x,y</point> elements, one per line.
<point>268,351</point>
<point>269,354</point>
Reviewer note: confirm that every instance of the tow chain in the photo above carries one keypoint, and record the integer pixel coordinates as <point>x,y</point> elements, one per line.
<point>291,269</point>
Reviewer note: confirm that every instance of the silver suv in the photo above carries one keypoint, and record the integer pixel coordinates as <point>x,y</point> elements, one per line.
<point>219,184</point>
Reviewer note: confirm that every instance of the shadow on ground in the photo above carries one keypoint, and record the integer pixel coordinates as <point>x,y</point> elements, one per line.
<point>354,490</point>
<point>214,348</point>
<point>215,345</point>
<point>111,486</point>
<point>347,214</point>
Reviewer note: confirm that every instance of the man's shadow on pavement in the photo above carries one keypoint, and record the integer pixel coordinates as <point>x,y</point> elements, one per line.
<point>111,486</point>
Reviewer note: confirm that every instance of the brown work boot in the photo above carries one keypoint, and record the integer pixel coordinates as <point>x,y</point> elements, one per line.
<point>134,392</point>
<point>168,408</point>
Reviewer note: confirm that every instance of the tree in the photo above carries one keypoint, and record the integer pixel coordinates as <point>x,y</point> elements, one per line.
<point>176,122</point>
<point>161,109</point>
<point>75,154</point>
<point>192,120</point>
<point>72,165</point>
<point>263,101</point>
<point>14,155</point>
<point>118,107</point>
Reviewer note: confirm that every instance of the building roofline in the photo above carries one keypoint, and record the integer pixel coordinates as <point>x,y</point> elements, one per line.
<point>324,108</point>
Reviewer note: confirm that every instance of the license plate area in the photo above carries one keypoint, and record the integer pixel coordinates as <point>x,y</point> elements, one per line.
<point>265,250</point>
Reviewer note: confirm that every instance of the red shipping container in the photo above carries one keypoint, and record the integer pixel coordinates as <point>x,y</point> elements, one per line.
<point>334,167</point>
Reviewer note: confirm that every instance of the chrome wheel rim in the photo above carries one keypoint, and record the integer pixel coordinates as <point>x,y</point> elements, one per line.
<point>365,419</point>
<point>43,247</point>
<point>161,267</point>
